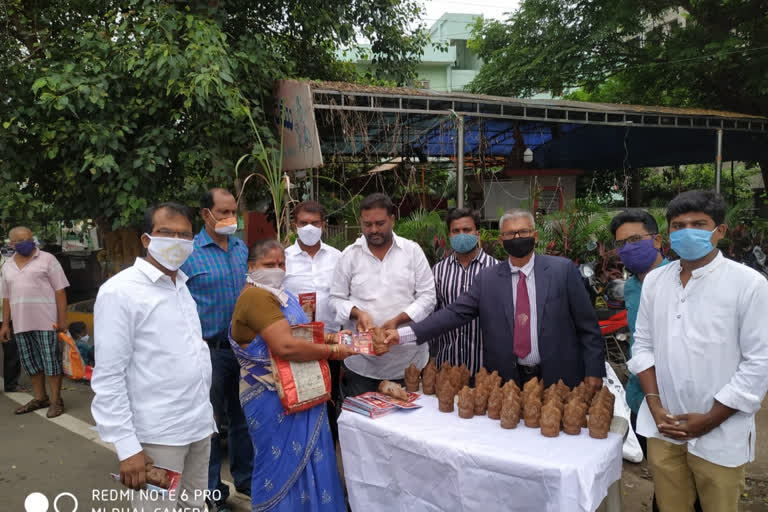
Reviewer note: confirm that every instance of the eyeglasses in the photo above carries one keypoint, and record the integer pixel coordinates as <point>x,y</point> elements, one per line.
<point>618,244</point>
<point>167,233</point>
<point>522,233</point>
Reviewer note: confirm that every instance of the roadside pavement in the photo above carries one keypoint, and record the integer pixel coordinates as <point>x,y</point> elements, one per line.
<point>64,455</point>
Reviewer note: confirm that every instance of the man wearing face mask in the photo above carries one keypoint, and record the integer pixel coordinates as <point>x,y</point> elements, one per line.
<point>701,355</point>
<point>453,276</point>
<point>216,271</point>
<point>35,298</point>
<point>539,299</point>
<point>153,377</point>
<point>309,265</point>
<point>638,244</point>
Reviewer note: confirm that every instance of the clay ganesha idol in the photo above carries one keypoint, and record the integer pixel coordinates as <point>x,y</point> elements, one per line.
<point>574,416</point>
<point>428,378</point>
<point>481,400</point>
<point>466,403</point>
<point>412,375</point>
<point>532,412</point>
<point>510,412</point>
<point>494,403</point>
<point>599,422</point>
<point>550,420</point>
<point>445,392</point>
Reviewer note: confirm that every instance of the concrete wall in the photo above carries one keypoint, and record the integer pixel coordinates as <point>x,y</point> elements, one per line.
<point>461,77</point>
<point>436,74</point>
<point>522,192</point>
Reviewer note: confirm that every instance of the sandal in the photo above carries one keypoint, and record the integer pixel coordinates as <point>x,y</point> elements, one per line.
<point>55,409</point>
<point>33,405</point>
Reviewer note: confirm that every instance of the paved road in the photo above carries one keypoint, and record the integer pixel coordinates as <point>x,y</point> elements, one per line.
<point>62,455</point>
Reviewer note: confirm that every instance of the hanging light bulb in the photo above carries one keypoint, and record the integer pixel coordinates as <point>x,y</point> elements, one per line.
<point>528,155</point>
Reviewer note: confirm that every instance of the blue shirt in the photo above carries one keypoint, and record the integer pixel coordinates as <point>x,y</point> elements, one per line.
<point>632,290</point>
<point>216,278</point>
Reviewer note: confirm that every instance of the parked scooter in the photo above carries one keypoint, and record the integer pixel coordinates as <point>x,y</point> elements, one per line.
<point>756,259</point>
<point>608,300</point>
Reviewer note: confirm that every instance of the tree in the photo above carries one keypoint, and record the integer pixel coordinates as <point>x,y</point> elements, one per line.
<point>619,51</point>
<point>109,106</point>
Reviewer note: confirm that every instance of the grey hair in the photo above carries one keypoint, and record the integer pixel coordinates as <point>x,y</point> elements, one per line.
<point>516,213</point>
<point>260,248</point>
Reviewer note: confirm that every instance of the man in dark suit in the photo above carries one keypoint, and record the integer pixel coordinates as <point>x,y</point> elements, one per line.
<point>534,311</point>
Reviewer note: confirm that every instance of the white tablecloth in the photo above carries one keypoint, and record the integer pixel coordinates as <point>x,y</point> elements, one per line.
<point>425,460</point>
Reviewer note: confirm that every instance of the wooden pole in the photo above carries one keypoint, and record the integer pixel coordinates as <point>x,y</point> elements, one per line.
<point>423,189</point>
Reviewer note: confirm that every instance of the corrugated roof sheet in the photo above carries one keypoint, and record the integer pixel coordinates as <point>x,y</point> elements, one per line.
<point>581,105</point>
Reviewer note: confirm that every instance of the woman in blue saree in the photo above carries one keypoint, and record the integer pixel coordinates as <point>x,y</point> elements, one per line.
<point>294,466</point>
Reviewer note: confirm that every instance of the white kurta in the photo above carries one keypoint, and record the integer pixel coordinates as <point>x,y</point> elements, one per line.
<point>708,341</point>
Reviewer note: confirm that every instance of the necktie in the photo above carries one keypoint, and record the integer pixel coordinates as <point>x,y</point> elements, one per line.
<point>522,332</point>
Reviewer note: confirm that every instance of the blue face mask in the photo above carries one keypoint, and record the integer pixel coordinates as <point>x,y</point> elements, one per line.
<point>691,244</point>
<point>638,257</point>
<point>463,243</point>
<point>25,248</point>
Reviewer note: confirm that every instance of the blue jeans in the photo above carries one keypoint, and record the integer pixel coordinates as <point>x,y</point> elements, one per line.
<point>226,406</point>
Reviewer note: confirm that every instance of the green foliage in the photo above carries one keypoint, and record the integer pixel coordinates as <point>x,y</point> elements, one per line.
<point>489,240</point>
<point>745,230</point>
<point>661,185</point>
<point>579,232</point>
<point>339,241</point>
<point>110,106</point>
<point>716,60</point>
<point>428,229</point>
<point>271,163</point>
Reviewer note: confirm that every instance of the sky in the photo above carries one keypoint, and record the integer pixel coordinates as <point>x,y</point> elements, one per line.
<point>488,8</point>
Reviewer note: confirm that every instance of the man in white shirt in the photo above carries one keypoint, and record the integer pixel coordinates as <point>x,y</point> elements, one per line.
<point>153,377</point>
<point>701,354</point>
<point>381,280</point>
<point>309,265</point>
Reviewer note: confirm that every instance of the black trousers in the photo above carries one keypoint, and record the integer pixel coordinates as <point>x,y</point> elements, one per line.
<point>11,364</point>
<point>353,384</point>
<point>334,404</point>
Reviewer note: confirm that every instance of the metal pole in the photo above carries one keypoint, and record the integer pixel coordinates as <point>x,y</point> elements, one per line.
<point>460,162</point>
<point>719,160</point>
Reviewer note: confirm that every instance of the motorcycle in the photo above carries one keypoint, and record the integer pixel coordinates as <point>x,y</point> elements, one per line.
<point>756,259</point>
<point>608,300</point>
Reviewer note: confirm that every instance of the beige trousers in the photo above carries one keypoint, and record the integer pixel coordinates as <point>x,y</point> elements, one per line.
<point>679,475</point>
<point>192,462</point>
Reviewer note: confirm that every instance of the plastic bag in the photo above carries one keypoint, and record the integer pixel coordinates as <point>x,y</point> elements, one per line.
<point>631,450</point>
<point>72,363</point>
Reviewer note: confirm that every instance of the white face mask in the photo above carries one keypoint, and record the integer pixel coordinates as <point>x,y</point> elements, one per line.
<point>226,226</point>
<point>171,253</point>
<point>272,277</point>
<point>309,235</point>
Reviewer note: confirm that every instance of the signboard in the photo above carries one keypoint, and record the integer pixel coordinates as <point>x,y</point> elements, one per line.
<point>301,142</point>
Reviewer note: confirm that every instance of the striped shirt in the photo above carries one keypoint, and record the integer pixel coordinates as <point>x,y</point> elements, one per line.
<point>216,278</point>
<point>463,345</point>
